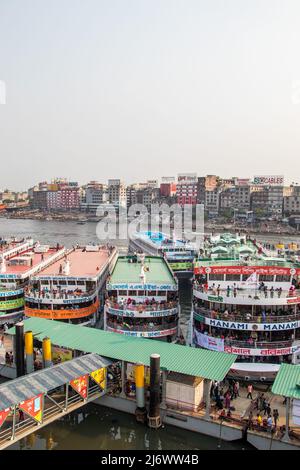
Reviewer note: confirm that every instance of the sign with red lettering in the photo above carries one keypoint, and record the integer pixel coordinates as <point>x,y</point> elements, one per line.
<point>33,407</point>
<point>3,415</point>
<point>266,270</point>
<point>80,385</point>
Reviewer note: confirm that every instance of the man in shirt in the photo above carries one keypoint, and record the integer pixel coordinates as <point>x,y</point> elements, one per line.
<point>250,390</point>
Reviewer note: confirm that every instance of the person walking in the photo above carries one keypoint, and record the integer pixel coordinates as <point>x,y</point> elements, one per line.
<point>250,390</point>
<point>275,417</point>
<point>269,424</point>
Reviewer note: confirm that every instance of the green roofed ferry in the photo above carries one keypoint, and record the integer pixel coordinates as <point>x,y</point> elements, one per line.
<point>142,298</point>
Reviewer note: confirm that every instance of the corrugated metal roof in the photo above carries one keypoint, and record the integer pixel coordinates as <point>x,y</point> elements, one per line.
<point>287,382</point>
<point>176,358</point>
<point>28,386</point>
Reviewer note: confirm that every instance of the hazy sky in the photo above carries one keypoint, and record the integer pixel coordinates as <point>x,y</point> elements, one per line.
<point>138,89</point>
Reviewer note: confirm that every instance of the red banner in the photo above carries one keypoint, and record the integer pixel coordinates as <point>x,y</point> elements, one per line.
<point>33,407</point>
<point>80,385</point>
<point>3,415</point>
<point>266,270</point>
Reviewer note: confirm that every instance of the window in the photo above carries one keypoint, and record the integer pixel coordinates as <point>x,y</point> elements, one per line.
<point>216,277</point>
<point>283,278</point>
<point>233,277</point>
<point>266,278</point>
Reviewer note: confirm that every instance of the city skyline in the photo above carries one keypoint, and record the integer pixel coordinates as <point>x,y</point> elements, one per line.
<point>97,89</point>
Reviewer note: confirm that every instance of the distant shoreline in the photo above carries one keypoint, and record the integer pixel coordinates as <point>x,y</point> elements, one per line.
<point>85,218</point>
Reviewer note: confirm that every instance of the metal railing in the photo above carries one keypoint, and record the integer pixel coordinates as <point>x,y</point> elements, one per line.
<point>246,318</point>
<point>170,308</point>
<point>254,294</point>
<point>258,344</point>
<point>145,327</point>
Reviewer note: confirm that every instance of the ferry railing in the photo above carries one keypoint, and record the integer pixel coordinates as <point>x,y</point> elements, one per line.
<point>246,318</point>
<point>258,344</point>
<point>164,326</point>
<point>51,295</point>
<point>166,310</point>
<point>254,294</point>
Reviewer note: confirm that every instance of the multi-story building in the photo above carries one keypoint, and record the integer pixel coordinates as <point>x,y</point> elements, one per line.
<point>39,200</point>
<point>212,201</point>
<point>187,189</point>
<point>117,192</point>
<point>66,198</point>
<point>95,195</point>
<point>168,187</point>
<point>291,202</point>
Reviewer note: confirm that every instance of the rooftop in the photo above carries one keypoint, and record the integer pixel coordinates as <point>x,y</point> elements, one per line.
<point>287,382</point>
<point>176,358</point>
<point>161,240</point>
<point>45,380</point>
<point>157,271</point>
<point>24,262</point>
<point>82,263</point>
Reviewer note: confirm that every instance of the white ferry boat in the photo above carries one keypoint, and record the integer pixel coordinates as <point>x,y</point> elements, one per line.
<point>19,259</point>
<point>246,303</point>
<point>142,298</point>
<point>179,253</point>
<point>71,289</point>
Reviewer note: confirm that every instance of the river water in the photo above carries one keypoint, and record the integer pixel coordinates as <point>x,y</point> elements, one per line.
<point>96,427</point>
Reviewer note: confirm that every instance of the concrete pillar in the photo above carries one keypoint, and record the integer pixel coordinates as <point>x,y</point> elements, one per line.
<point>47,354</point>
<point>207,386</point>
<point>123,379</point>
<point>164,389</point>
<point>141,411</point>
<point>286,436</point>
<point>154,420</point>
<point>20,358</point>
<point>29,352</point>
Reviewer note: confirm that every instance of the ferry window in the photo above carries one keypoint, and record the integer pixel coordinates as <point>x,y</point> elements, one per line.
<point>54,282</point>
<point>266,278</point>
<point>122,292</point>
<point>80,283</point>
<point>151,293</point>
<point>161,293</point>
<point>233,277</point>
<point>141,292</point>
<point>63,283</point>
<point>216,277</point>
<point>132,292</point>
<point>44,283</point>
<point>282,278</point>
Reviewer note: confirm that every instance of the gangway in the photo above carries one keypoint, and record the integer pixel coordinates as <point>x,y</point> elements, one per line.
<point>49,394</point>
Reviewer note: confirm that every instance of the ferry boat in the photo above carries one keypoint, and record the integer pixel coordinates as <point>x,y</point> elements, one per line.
<point>19,259</point>
<point>247,303</point>
<point>142,298</point>
<point>72,288</point>
<point>179,253</point>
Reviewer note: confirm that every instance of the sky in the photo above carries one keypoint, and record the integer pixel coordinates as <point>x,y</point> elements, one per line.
<point>140,89</point>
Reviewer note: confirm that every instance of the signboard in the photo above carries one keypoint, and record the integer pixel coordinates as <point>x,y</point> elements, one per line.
<point>244,326</point>
<point>99,376</point>
<point>269,180</point>
<point>11,304</point>
<point>247,270</point>
<point>33,407</point>
<point>143,334</point>
<point>261,352</point>
<point>80,385</point>
<point>125,286</point>
<point>61,355</point>
<point>208,342</point>
<point>184,266</point>
<point>62,314</point>
<point>187,177</point>
<point>11,293</point>
<point>3,415</point>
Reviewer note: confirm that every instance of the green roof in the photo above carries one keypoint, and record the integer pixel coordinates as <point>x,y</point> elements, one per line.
<point>126,272</point>
<point>174,357</point>
<point>287,382</point>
